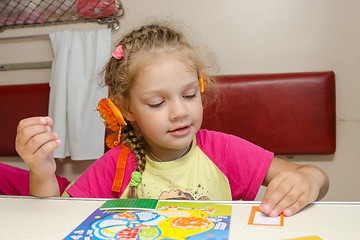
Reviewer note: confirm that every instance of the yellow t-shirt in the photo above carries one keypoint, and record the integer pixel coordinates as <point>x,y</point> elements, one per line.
<point>191,177</point>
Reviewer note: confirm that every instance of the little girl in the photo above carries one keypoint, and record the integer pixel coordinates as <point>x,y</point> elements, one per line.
<point>157,80</point>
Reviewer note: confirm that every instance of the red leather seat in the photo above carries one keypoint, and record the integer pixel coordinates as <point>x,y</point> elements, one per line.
<point>287,113</point>
<point>18,102</point>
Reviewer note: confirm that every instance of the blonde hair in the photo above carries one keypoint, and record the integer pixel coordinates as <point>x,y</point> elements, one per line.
<point>120,74</point>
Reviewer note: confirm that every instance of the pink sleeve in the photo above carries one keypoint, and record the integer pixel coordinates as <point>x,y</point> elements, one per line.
<point>15,181</point>
<point>97,180</point>
<point>243,163</point>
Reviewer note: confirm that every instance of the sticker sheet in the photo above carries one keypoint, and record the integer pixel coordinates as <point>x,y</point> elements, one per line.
<point>179,220</point>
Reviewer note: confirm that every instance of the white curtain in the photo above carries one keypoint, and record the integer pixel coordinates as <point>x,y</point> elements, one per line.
<point>76,88</point>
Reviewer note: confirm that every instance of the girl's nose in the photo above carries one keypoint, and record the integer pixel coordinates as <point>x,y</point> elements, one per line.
<point>178,110</point>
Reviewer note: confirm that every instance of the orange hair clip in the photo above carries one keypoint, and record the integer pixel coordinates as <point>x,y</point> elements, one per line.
<point>113,119</point>
<point>202,83</point>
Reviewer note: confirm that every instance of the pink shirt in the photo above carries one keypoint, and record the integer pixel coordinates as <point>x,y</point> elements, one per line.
<point>243,163</point>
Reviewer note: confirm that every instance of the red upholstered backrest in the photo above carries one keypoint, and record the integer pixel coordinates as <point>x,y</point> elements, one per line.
<point>18,102</point>
<point>288,113</point>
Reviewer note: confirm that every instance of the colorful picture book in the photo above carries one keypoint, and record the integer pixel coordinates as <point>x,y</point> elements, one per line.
<point>155,219</point>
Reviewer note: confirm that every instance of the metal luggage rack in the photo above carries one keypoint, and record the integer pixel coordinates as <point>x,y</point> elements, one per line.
<point>23,13</point>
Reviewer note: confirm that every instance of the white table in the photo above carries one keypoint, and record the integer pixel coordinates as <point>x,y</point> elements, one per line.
<point>55,218</point>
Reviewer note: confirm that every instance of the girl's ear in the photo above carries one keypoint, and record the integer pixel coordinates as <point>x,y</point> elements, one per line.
<point>129,116</point>
<point>125,110</point>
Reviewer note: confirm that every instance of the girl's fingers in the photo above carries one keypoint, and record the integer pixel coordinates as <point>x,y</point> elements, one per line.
<point>288,194</point>
<point>45,151</point>
<point>38,154</point>
<point>291,199</point>
<point>42,162</point>
<point>274,193</point>
<point>39,140</point>
<point>49,121</point>
<point>32,121</point>
<point>30,127</point>
<point>299,204</point>
<point>39,147</point>
<point>30,132</point>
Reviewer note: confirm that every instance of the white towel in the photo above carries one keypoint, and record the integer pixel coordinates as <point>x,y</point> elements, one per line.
<point>76,88</point>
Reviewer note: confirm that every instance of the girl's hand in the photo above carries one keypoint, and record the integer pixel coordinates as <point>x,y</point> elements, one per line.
<point>290,187</point>
<point>35,144</point>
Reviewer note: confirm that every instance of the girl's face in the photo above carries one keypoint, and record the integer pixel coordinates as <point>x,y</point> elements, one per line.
<point>166,104</point>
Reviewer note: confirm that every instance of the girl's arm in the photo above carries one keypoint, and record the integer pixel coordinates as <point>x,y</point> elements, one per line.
<point>35,144</point>
<point>290,187</point>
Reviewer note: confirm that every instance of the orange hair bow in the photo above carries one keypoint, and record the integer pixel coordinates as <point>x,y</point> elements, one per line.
<point>113,119</point>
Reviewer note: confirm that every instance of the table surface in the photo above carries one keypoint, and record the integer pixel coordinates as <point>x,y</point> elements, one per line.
<point>55,218</point>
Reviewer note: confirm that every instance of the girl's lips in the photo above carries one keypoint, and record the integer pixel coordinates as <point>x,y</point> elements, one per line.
<point>181,131</point>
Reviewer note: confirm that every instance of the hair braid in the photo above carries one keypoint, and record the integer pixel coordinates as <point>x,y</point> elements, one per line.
<point>137,146</point>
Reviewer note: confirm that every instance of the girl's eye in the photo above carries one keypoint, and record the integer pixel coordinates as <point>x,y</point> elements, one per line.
<point>156,105</point>
<point>190,96</point>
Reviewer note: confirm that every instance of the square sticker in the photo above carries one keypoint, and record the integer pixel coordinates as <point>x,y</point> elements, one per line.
<point>261,219</point>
